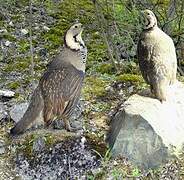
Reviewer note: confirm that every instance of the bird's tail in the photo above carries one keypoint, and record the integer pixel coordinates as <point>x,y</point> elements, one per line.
<point>31,114</point>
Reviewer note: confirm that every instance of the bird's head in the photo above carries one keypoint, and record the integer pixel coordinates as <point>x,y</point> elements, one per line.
<point>73,39</point>
<point>150,20</point>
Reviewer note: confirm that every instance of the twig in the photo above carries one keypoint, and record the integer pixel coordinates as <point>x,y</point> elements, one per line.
<point>180,70</point>
<point>69,167</point>
<point>179,23</point>
<point>30,38</point>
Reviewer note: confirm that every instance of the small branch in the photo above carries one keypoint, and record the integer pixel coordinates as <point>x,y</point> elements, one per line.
<point>180,70</point>
<point>179,23</point>
<point>30,38</point>
<point>69,167</point>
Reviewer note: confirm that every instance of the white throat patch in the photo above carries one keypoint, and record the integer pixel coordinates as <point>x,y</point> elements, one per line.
<point>74,43</point>
<point>150,23</point>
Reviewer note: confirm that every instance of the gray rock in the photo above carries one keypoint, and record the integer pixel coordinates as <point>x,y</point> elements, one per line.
<point>76,119</point>
<point>7,93</point>
<point>2,147</point>
<point>149,132</point>
<point>24,31</point>
<point>46,28</point>
<point>18,110</point>
<point>11,24</point>
<point>3,31</point>
<point>7,43</point>
<point>3,111</point>
<point>39,144</point>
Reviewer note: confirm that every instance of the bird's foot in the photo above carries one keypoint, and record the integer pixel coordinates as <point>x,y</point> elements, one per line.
<point>69,128</point>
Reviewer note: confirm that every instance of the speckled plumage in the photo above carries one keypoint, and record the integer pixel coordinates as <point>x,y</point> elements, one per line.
<point>157,57</point>
<point>59,88</point>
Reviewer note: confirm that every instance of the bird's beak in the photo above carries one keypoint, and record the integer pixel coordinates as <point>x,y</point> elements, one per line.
<point>80,24</point>
<point>81,27</point>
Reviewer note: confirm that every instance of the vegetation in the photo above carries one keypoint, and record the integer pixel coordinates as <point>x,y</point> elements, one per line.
<point>112,28</point>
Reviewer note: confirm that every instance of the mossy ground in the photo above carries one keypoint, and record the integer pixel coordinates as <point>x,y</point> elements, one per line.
<point>100,75</point>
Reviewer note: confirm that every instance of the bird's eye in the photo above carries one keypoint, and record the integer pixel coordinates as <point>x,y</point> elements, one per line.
<point>75,26</point>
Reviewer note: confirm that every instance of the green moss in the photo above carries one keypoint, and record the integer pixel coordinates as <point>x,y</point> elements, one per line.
<point>8,36</point>
<point>94,87</point>
<point>96,35</point>
<point>14,85</point>
<point>97,143</point>
<point>24,46</point>
<point>129,77</point>
<point>102,106</point>
<point>49,139</point>
<point>130,67</point>
<point>27,145</point>
<point>1,23</point>
<point>54,41</point>
<point>106,68</point>
<point>97,51</point>
<point>16,17</point>
<point>19,64</point>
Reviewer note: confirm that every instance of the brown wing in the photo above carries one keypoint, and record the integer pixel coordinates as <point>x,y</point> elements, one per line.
<point>61,90</point>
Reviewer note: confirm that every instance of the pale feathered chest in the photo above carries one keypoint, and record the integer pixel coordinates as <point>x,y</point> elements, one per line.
<point>159,45</point>
<point>158,39</point>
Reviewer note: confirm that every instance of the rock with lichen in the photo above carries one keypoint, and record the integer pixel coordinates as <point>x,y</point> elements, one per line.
<point>147,131</point>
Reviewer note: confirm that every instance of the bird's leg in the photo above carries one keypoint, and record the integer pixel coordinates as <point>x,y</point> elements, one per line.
<point>48,123</point>
<point>67,125</point>
<point>151,88</point>
<point>152,91</point>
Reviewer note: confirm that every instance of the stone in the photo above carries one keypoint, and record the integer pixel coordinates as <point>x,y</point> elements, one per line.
<point>39,144</point>
<point>46,28</point>
<point>18,110</point>
<point>2,147</point>
<point>149,132</point>
<point>11,24</point>
<point>7,93</point>
<point>7,43</point>
<point>3,111</point>
<point>24,31</point>
<point>3,31</point>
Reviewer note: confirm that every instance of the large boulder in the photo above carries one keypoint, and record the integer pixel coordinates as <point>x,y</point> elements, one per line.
<point>147,131</point>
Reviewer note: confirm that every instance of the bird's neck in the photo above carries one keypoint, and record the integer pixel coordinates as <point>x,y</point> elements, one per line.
<point>75,58</point>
